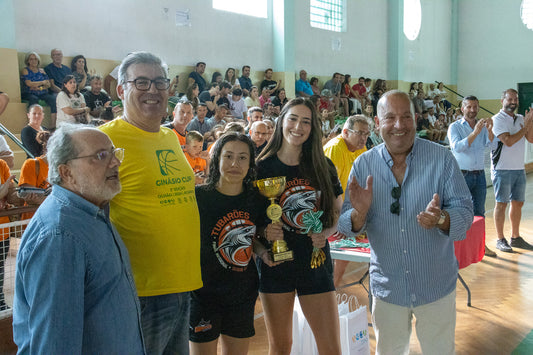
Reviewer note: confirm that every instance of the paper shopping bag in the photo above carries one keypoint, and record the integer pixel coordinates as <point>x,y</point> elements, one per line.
<point>354,333</point>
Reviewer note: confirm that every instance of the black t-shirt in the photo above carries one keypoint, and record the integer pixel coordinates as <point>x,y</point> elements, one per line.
<point>277,102</point>
<point>27,136</point>
<point>204,97</point>
<point>265,82</point>
<point>423,123</point>
<point>299,196</point>
<point>95,101</point>
<point>227,227</point>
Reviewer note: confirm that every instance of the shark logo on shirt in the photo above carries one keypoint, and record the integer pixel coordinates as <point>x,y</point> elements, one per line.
<point>233,243</point>
<point>296,201</point>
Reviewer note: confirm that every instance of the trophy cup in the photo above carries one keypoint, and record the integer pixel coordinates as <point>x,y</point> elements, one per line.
<point>272,188</point>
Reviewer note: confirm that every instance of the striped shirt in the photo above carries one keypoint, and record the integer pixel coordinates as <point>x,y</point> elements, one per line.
<point>410,265</point>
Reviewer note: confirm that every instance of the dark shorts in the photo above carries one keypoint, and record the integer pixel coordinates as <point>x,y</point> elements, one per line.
<point>207,322</point>
<point>297,275</point>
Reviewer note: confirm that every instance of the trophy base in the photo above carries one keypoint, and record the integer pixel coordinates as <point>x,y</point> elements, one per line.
<point>283,256</point>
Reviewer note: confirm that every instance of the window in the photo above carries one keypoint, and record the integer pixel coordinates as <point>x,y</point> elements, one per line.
<point>257,8</point>
<point>412,19</point>
<point>328,15</point>
<point>526,13</point>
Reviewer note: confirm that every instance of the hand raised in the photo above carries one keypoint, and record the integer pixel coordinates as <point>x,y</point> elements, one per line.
<point>361,198</point>
<point>430,217</point>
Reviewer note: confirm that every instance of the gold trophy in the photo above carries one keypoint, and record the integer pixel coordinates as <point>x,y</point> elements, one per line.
<point>272,188</point>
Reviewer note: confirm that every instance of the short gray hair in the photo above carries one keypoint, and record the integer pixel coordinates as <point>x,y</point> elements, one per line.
<point>61,149</point>
<point>139,58</point>
<point>382,101</point>
<point>352,120</point>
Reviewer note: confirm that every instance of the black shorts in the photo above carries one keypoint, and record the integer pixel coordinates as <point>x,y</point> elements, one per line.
<point>207,322</point>
<point>297,275</point>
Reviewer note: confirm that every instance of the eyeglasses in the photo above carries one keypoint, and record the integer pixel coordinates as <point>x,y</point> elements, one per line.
<point>360,133</point>
<point>105,155</point>
<point>145,84</point>
<point>395,206</point>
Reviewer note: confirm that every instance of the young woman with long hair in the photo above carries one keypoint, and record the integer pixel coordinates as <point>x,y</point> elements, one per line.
<point>295,151</point>
<point>224,307</point>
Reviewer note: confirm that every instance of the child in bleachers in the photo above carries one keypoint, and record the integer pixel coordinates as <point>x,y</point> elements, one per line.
<point>194,142</point>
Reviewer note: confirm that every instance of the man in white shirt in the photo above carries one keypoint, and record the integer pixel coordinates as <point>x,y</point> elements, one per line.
<point>508,173</point>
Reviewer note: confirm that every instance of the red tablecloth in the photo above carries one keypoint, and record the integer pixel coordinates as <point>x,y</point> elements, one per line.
<point>471,249</point>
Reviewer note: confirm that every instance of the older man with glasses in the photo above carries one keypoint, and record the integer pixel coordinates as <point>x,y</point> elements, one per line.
<point>156,212</point>
<point>343,150</point>
<point>74,292</point>
<point>410,197</point>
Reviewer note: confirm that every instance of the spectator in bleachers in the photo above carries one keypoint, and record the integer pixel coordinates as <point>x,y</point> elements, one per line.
<point>231,78</point>
<point>314,86</point>
<point>56,71</point>
<point>183,114</point>
<point>237,127</point>
<point>7,196</point>
<point>258,135</point>
<point>302,86</point>
<point>6,154</point>
<point>210,98</point>
<point>4,100</point>
<point>254,114</point>
<point>28,134</point>
<point>192,96</point>
<point>432,92</point>
<point>368,88</point>
<point>253,98</point>
<point>220,115</point>
<point>424,128</point>
<point>270,111</point>
<point>70,103</point>
<point>271,126</point>
<point>199,123</point>
<point>193,148</point>
<point>224,88</point>
<point>244,81</point>
<point>265,97</point>
<point>443,95</point>
<point>173,93</point>
<point>35,84</point>
<point>280,100</point>
<point>413,89</point>
<point>80,72</point>
<point>419,103</point>
<point>335,85</point>
<point>272,85</point>
<point>362,95</point>
<point>96,99</point>
<point>237,105</point>
<point>34,173</point>
<point>420,87</point>
<point>216,77</point>
<point>196,76</point>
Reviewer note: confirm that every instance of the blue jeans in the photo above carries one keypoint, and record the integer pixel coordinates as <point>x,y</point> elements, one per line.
<point>509,185</point>
<point>478,188</point>
<point>50,100</point>
<point>165,323</point>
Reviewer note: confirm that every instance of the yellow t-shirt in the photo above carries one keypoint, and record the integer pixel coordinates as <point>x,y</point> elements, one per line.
<point>343,159</point>
<point>156,212</point>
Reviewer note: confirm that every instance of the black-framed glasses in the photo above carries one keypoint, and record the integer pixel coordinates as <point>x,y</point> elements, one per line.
<point>143,84</point>
<point>360,133</point>
<point>395,206</point>
<point>105,155</point>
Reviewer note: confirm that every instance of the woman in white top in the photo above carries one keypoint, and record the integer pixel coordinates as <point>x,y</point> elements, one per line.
<point>70,103</point>
<point>253,99</point>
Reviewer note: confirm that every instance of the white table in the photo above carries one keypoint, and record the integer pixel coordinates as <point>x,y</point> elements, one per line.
<point>355,256</point>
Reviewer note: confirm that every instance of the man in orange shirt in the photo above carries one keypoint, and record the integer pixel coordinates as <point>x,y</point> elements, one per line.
<point>7,195</point>
<point>183,114</point>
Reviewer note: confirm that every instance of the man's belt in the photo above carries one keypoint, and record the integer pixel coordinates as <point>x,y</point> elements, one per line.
<point>474,172</point>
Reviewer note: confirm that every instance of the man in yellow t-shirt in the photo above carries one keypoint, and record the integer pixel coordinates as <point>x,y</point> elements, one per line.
<point>343,150</point>
<point>156,212</point>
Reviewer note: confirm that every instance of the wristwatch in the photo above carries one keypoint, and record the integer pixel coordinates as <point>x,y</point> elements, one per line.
<point>442,218</point>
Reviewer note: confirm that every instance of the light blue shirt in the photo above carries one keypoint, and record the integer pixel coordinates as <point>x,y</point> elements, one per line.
<point>468,157</point>
<point>74,291</point>
<point>410,265</point>
<point>303,86</point>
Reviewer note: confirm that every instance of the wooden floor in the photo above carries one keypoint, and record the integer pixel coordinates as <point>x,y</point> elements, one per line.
<point>502,295</point>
